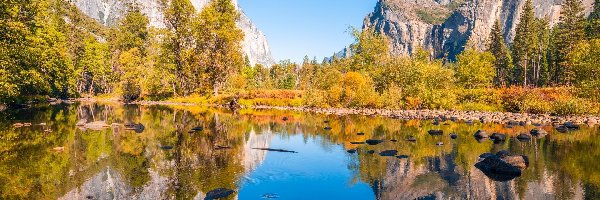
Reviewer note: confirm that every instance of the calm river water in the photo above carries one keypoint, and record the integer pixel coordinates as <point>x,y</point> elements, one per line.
<point>84,151</point>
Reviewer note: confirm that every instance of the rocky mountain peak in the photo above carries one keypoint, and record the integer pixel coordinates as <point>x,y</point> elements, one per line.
<point>445,26</point>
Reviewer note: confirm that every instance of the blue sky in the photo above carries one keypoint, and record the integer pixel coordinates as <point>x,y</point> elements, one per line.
<point>296,28</point>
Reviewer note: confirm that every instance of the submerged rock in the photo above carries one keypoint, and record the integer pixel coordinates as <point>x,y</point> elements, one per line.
<point>562,129</point>
<point>357,142</point>
<point>538,132</point>
<point>218,193</point>
<point>138,128</point>
<point>523,137</point>
<point>360,133</point>
<point>388,153</point>
<point>435,132</point>
<point>352,151</point>
<point>480,134</point>
<point>572,126</point>
<point>197,129</point>
<point>411,139</point>
<point>371,151</point>
<point>327,128</point>
<point>497,137</point>
<point>402,156</point>
<point>453,136</point>
<point>166,147</point>
<point>373,141</point>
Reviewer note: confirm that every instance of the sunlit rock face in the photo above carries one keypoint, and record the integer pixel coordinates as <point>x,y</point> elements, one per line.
<point>409,23</point>
<point>108,12</point>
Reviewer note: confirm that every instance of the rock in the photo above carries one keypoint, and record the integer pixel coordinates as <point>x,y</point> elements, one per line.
<point>275,150</point>
<point>411,139</point>
<point>326,121</point>
<point>523,137</point>
<point>439,144</point>
<point>284,119</point>
<point>352,151</point>
<point>538,132</point>
<point>357,142</point>
<point>435,132</point>
<point>27,124</point>
<point>562,129</point>
<point>402,156</point>
<point>17,125</point>
<point>453,136</point>
<point>572,126</point>
<point>138,128</point>
<point>498,137</point>
<point>197,129</point>
<point>436,123</point>
<point>3,107</point>
<point>484,156</point>
<point>360,133</point>
<point>370,151</point>
<point>373,141</point>
<point>498,169</point>
<point>388,153</point>
<point>218,193</point>
<point>480,134</point>
<point>327,128</point>
<point>166,147</point>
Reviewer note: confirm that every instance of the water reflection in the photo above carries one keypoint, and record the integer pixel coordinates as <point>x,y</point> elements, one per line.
<point>59,157</point>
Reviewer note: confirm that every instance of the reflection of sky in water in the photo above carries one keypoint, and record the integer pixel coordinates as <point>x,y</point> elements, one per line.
<point>312,173</point>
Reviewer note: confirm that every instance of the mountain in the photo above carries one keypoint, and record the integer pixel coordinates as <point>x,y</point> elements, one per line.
<point>108,12</point>
<point>445,26</point>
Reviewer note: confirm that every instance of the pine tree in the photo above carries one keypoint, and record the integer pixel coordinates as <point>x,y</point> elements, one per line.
<point>593,25</point>
<point>503,63</point>
<point>569,32</point>
<point>523,45</point>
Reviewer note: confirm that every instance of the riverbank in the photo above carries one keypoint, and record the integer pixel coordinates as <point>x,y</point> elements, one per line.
<point>512,119</point>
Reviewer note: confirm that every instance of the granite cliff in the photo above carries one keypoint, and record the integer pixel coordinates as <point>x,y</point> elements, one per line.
<point>108,12</point>
<point>444,27</point>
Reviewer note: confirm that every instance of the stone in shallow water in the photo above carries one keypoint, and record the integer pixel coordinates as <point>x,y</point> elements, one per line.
<point>351,151</point>
<point>370,151</point>
<point>373,142</point>
<point>497,169</point>
<point>388,153</point>
<point>480,134</point>
<point>218,193</point>
<point>538,132</point>
<point>357,142</point>
<point>166,147</point>
<point>360,133</point>
<point>453,136</point>
<point>524,137</point>
<point>411,139</point>
<point>435,132</point>
<point>402,156</point>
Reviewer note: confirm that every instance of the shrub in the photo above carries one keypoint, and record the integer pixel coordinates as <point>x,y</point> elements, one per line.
<point>573,106</point>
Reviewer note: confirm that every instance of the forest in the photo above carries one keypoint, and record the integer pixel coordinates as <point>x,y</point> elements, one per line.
<point>49,49</point>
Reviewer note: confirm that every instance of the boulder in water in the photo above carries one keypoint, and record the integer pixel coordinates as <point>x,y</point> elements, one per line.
<point>218,193</point>
<point>373,142</point>
<point>138,128</point>
<point>352,151</point>
<point>538,132</point>
<point>453,136</point>
<point>435,132</point>
<point>497,169</point>
<point>481,134</point>
<point>497,137</point>
<point>523,137</point>
<point>388,153</point>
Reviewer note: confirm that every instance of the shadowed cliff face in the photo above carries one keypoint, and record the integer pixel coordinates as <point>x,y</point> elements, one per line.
<point>108,12</point>
<point>445,26</point>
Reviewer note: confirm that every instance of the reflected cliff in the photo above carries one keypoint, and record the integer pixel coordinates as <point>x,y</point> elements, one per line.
<point>97,151</point>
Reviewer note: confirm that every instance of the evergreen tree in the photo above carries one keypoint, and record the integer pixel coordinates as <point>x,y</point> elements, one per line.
<point>218,42</point>
<point>593,25</point>
<point>523,45</point>
<point>569,32</point>
<point>503,63</point>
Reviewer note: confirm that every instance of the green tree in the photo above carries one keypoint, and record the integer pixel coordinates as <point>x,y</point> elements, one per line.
<point>585,58</point>
<point>475,69</point>
<point>218,42</point>
<point>503,64</point>
<point>569,32</point>
<point>131,62</point>
<point>523,46</point>
<point>132,31</point>
<point>593,25</point>
<point>178,43</point>
<point>370,53</point>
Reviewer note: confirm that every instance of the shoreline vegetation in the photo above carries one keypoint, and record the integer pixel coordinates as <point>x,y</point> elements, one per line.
<point>197,59</point>
<point>467,116</point>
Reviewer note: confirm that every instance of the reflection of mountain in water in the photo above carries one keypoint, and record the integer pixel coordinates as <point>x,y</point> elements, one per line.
<point>109,184</point>
<point>253,158</point>
<point>441,178</point>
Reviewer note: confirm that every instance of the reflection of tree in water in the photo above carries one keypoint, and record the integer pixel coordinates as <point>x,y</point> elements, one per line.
<point>563,166</point>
